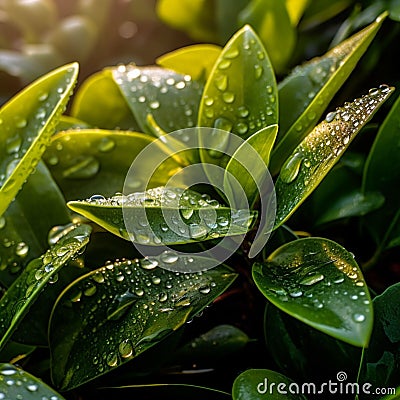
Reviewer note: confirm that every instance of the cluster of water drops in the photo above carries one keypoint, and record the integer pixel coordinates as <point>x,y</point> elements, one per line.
<point>131,296</point>
<point>185,214</point>
<point>13,251</point>
<point>15,382</point>
<point>321,148</point>
<point>22,131</point>
<point>153,89</point>
<point>224,106</point>
<point>318,280</point>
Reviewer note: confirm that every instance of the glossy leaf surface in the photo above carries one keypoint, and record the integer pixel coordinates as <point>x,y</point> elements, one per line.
<point>113,314</point>
<point>232,100</point>
<point>164,216</point>
<point>27,122</point>
<point>318,282</point>
<point>18,299</point>
<point>312,159</point>
<point>310,87</point>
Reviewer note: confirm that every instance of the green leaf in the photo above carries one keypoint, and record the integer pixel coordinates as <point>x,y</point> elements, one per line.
<point>25,225</point>
<point>164,216</point>
<point>220,341</point>
<point>27,122</point>
<point>382,358</point>
<point>194,17</point>
<point>91,161</point>
<point>307,91</point>
<point>169,390</point>
<point>318,282</point>
<point>258,384</point>
<point>351,204</point>
<point>321,149</point>
<point>66,123</point>
<point>246,168</point>
<point>100,103</point>
<point>226,17</point>
<point>292,346</point>
<point>18,299</point>
<point>232,100</point>
<point>18,384</point>
<point>171,98</point>
<point>90,336</point>
<point>271,21</point>
<point>196,60</point>
<point>381,175</point>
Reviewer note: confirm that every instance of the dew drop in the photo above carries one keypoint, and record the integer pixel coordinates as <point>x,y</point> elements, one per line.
<point>125,349</point>
<point>186,212</point>
<point>148,264</point>
<point>296,293</point>
<point>258,71</point>
<point>86,167</point>
<point>358,317</point>
<point>208,101</point>
<point>21,249</point>
<point>224,64</point>
<point>241,128</point>
<point>154,105</point>
<point>221,82</point>
<point>163,297</point>
<point>197,231</point>
<point>13,144</point>
<point>106,145</point>
<point>231,53</point>
<point>242,112</point>
<point>205,289</point>
<point>291,168</point>
<point>90,291</point>
<point>32,387</point>
<point>169,257</point>
<point>112,360</point>
<point>228,97</point>
<point>21,123</point>
<point>311,280</point>
<point>330,116</point>
<point>43,96</point>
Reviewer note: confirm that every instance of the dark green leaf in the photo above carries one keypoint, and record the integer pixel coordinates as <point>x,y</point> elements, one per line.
<point>258,384</point>
<point>170,390</point>
<point>99,103</point>
<point>232,100</point>
<point>382,358</point>
<point>164,216</point>
<point>18,384</point>
<point>196,60</point>
<point>27,122</point>
<point>25,225</point>
<point>18,299</point>
<point>321,149</point>
<point>172,99</point>
<point>292,346</point>
<point>307,91</point>
<point>218,342</point>
<point>87,162</point>
<point>318,282</point>
<point>351,204</point>
<point>113,314</point>
<point>380,174</point>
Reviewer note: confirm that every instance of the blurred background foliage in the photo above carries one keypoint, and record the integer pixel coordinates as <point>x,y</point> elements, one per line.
<point>39,35</point>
